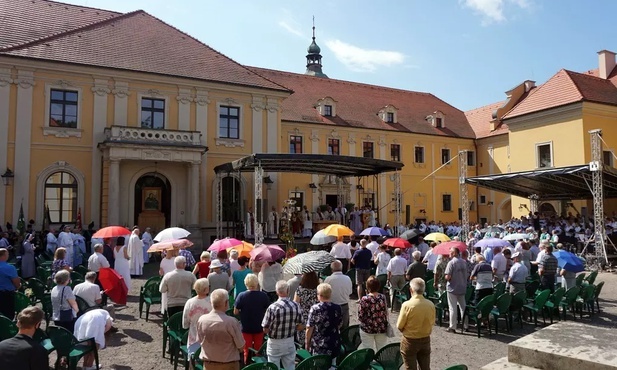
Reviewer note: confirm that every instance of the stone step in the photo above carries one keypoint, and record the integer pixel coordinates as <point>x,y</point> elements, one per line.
<point>567,345</point>
<point>504,364</point>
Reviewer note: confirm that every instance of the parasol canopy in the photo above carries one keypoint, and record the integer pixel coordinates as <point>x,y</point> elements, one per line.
<point>397,243</point>
<point>492,243</point>
<point>444,248</point>
<point>338,230</point>
<point>374,231</point>
<point>308,262</point>
<point>493,230</point>
<point>267,253</point>
<point>243,249</point>
<point>569,261</point>
<point>410,234</point>
<point>114,285</point>
<point>162,246</point>
<point>171,233</point>
<point>437,237</point>
<point>111,232</point>
<point>518,236</point>
<point>320,238</point>
<point>224,244</point>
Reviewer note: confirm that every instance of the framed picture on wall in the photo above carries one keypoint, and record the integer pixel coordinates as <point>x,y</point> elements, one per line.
<point>151,199</point>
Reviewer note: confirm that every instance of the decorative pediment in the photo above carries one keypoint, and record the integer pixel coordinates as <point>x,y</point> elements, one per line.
<point>326,106</point>
<point>334,135</point>
<point>437,119</point>
<point>388,114</point>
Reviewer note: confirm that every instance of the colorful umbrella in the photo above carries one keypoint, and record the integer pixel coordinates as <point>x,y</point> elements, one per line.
<point>171,233</point>
<point>243,249</point>
<point>338,230</point>
<point>111,232</point>
<point>518,236</point>
<point>569,261</point>
<point>162,246</point>
<point>444,248</point>
<point>397,243</point>
<point>114,285</point>
<point>492,243</point>
<point>224,244</point>
<point>320,238</point>
<point>437,237</point>
<point>267,253</point>
<point>374,231</point>
<point>308,262</point>
<point>410,234</point>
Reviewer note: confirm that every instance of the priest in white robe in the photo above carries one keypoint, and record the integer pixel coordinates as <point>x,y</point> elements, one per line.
<point>79,246</point>
<point>65,240</point>
<point>136,253</point>
<point>273,223</point>
<point>249,227</point>
<point>356,221</point>
<point>52,242</point>
<point>146,239</point>
<point>307,223</point>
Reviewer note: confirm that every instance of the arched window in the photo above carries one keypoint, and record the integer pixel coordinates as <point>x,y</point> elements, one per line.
<point>61,197</point>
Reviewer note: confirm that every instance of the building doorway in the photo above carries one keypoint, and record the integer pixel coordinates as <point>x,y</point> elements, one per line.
<point>152,201</point>
<point>332,200</point>
<point>547,210</point>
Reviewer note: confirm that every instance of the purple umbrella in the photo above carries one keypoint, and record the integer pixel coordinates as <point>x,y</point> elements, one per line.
<point>374,231</point>
<point>267,253</point>
<point>492,243</point>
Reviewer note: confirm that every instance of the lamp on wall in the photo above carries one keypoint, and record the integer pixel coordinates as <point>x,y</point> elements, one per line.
<point>490,204</point>
<point>313,187</point>
<point>7,177</point>
<point>268,181</point>
<point>360,187</point>
<point>423,211</point>
<point>522,206</point>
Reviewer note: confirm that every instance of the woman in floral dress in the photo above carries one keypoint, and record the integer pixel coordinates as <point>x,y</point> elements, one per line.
<point>306,296</point>
<point>323,325</point>
<point>59,262</point>
<point>373,317</point>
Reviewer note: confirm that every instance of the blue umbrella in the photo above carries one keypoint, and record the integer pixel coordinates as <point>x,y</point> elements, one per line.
<point>374,231</point>
<point>569,261</point>
<point>492,243</point>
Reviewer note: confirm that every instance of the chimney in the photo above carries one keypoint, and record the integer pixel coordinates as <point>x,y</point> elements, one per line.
<point>606,63</point>
<point>529,85</point>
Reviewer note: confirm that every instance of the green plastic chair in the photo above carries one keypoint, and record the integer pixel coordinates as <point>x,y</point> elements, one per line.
<point>182,351</point>
<point>149,296</point>
<point>516,305</point>
<point>47,307</point>
<point>457,367</point>
<point>482,311</point>
<point>66,345</point>
<point>82,270</point>
<point>41,337</point>
<point>388,358</point>
<point>430,292</point>
<point>264,366</point>
<point>592,277</point>
<point>554,300</point>
<point>531,288</point>
<point>196,362</point>
<point>77,276</point>
<point>350,339</point>
<point>441,307</point>
<point>502,309</point>
<point>83,306</point>
<point>401,295</point>
<point>569,301</point>
<point>597,293</point>
<point>259,355</point>
<point>538,306</point>
<point>429,276</point>
<point>8,329</point>
<point>173,332</point>
<point>38,290</point>
<point>499,289</point>
<point>327,271</point>
<point>317,362</point>
<point>21,301</point>
<point>579,279</point>
<point>357,360</point>
<point>383,279</point>
<point>469,294</point>
<point>352,275</point>
<point>230,312</point>
<point>586,299</point>
<point>43,274</point>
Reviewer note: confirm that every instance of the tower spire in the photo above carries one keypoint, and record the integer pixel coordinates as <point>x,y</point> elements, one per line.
<point>313,58</point>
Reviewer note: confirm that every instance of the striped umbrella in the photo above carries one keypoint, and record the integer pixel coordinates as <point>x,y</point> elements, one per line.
<point>308,262</point>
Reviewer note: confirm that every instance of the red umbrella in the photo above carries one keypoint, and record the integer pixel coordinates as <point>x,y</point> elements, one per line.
<point>224,244</point>
<point>444,247</point>
<point>397,243</point>
<point>267,253</point>
<point>114,285</point>
<point>111,232</point>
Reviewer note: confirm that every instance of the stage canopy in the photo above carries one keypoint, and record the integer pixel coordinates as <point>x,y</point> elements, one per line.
<point>338,165</point>
<point>562,183</point>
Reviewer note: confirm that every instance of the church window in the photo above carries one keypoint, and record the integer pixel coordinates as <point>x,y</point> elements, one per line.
<point>63,108</point>
<point>153,113</point>
<point>229,122</point>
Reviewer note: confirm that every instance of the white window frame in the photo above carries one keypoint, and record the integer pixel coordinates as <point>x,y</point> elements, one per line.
<point>389,109</point>
<point>228,142</point>
<point>41,178</point>
<point>538,145</point>
<point>62,131</point>
<point>442,201</point>
<point>301,142</point>
<point>321,106</point>
<point>423,154</point>
<point>480,199</point>
<point>441,155</point>
<point>153,96</point>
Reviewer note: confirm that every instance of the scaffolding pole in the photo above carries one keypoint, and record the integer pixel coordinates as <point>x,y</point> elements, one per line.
<point>219,206</point>
<point>397,202</point>
<point>257,226</point>
<point>534,201</point>
<point>462,175</point>
<point>596,166</point>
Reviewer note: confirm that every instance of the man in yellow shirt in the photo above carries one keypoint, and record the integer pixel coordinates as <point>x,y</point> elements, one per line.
<point>415,321</point>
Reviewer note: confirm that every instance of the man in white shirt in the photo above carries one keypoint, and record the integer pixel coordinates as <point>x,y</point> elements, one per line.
<point>97,260</point>
<point>373,246</point>
<point>341,290</point>
<point>396,273</point>
<point>430,258</point>
<point>178,285</point>
<point>89,291</point>
<point>341,252</point>
<point>146,239</point>
<point>499,264</point>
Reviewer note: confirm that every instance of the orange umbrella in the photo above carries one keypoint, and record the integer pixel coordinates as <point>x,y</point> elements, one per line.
<point>243,249</point>
<point>111,232</point>
<point>338,230</point>
<point>114,285</point>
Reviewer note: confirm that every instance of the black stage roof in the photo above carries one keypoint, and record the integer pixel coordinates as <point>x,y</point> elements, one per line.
<point>562,183</point>
<point>338,165</point>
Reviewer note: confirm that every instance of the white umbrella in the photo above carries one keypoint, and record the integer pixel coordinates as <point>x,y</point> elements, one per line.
<point>320,238</point>
<point>518,236</point>
<point>308,262</point>
<point>171,233</point>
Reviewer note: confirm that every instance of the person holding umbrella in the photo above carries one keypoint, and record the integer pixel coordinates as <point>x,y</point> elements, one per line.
<point>341,252</point>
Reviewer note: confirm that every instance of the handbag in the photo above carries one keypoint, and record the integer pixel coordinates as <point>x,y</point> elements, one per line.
<point>65,315</point>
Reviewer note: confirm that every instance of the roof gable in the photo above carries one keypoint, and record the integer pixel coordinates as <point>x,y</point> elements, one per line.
<point>480,121</point>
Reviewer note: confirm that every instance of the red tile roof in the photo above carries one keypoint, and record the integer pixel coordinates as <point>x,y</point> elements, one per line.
<point>133,41</point>
<point>358,105</point>
<point>480,121</point>
<point>564,88</point>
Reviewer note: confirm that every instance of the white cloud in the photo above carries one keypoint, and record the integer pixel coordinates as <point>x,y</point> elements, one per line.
<point>363,60</point>
<point>291,28</point>
<point>493,10</point>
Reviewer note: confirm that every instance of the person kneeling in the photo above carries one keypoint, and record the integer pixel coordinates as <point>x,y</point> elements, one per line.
<point>93,324</point>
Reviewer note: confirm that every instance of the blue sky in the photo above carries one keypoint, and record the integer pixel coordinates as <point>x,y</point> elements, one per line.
<point>466,52</point>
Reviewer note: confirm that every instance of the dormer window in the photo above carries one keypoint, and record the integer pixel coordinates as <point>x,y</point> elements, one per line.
<point>390,117</point>
<point>437,119</point>
<point>438,122</point>
<point>326,107</point>
<point>388,114</point>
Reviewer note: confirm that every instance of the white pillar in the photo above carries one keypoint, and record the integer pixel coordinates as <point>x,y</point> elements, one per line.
<point>21,183</point>
<point>383,185</point>
<point>258,123</point>
<point>184,109</point>
<point>201,125</point>
<point>5,91</point>
<point>113,217</point>
<point>351,141</point>
<point>193,196</point>
<point>99,122</point>
<point>272,146</point>
<point>121,103</point>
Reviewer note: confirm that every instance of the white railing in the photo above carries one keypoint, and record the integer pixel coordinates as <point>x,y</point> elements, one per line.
<point>146,135</point>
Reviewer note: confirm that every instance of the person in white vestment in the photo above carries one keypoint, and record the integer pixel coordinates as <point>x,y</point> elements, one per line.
<point>372,221</point>
<point>136,253</point>
<point>93,324</point>
<point>249,227</point>
<point>307,229</point>
<point>356,221</point>
<point>146,239</point>
<point>52,241</point>
<point>79,247</point>
<point>65,240</point>
<point>122,264</point>
<point>273,223</point>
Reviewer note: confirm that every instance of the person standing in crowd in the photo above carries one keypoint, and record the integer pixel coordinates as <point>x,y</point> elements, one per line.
<point>146,240</point>
<point>430,258</point>
<point>202,268</point>
<point>22,352</point>
<point>251,306</point>
<point>233,261</point>
<point>456,276</point>
<point>373,317</point>
<point>439,281</point>
<point>281,321</point>
<point>381,259</point>
<point>422,246</point>
<point>415,322</point>
<point>220,336</point>
<point>323,324</point>
<point>373,246</point>
<point>499,264</point>
<point>95,262</point>
<point>51,242</point>
<point>65,240</point>
<point>108,252</point>
<point>270,273</point>
<point>222,257</point>
<point>136,253</point>
<point>63,301</point>
<point>239,275</point>
<point>517,275</point>
<point>28,267</point>
<point>122,264</point>
<point>342,287</point>
<point>294,283</point>
<point>9,283</point>
<point>306,297</point>
<point>341,252</point>
<point>177,284</point>
<point>188,256</point>
<point>482,273</point>
<point>416,269</point>
<point>79,246</point>
<point>194,309</point>
<point>547,269</point>
<point>362,261</point>
<point>396,273</point>
<point>217,278</point>
<point>59,262</point>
